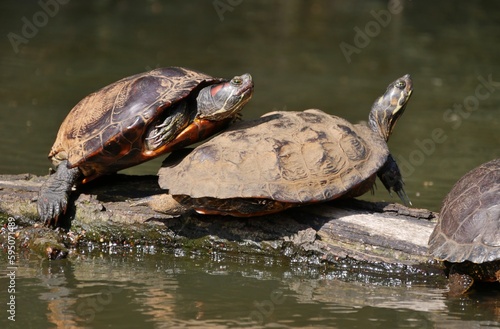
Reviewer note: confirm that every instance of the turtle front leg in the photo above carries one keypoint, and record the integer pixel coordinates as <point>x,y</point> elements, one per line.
<point>391,177</point>
<point>54,193</point>
<point>167,129</point>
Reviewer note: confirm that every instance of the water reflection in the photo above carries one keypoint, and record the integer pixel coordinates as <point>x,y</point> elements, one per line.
<point>134,288</point>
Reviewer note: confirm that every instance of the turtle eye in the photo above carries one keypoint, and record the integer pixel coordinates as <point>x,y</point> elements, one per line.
<point>237,81</point>
<point>400,85</point>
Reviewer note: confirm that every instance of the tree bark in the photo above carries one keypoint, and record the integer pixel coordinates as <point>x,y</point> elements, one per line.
<point>101,212</point>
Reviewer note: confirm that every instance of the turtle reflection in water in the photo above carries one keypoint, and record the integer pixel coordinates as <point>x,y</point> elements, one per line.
<point>467,235</point>
<point>286,159</point>
<point>134,120</point>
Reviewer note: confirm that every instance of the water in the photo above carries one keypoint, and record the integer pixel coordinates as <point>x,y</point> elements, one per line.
<point>148,288</point>
<point>293,51</point>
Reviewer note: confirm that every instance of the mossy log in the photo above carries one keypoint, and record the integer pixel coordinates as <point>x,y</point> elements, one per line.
<point>102,212</point>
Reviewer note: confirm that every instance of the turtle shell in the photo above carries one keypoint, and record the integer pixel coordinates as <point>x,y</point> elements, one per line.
<point>105,131</point>
<point>468,228</point>
<point>293,157</point>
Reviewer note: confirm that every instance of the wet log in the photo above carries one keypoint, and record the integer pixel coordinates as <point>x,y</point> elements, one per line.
<point>101,212</point>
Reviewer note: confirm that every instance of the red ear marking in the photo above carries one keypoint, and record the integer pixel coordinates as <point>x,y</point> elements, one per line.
<point>215,89</point>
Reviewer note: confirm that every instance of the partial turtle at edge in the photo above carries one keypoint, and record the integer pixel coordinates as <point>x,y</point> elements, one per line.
<point>467,235</point>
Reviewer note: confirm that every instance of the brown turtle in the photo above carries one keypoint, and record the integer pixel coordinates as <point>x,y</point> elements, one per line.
<point>467,235</point>
<point>286,159</point>
<point>134,120</point>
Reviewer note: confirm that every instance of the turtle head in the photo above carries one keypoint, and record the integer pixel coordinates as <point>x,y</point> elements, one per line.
<point>225,99</point>
<point>390,106</point>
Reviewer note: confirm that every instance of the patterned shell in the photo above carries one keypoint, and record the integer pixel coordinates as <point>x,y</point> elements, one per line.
<point>304,156</point>
<point>469,222</point>
<point>104,131</point>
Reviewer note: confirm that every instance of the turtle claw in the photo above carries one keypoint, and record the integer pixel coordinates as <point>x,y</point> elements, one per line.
<point>53,196</point>
<point>51,206</point>
<point>402,195</point>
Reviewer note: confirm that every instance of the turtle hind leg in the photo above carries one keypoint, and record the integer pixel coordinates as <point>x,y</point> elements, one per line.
<point>391,177</point>
<point>165,204</point>
<point>54,193</point>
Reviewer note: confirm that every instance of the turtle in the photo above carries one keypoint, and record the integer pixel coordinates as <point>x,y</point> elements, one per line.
<point>136,119</point>
<point>285,159</point>
<point>467,234</point>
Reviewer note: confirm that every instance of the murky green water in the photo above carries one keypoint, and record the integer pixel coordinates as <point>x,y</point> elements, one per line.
<point>147,288</point>
<point>302,54</point>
